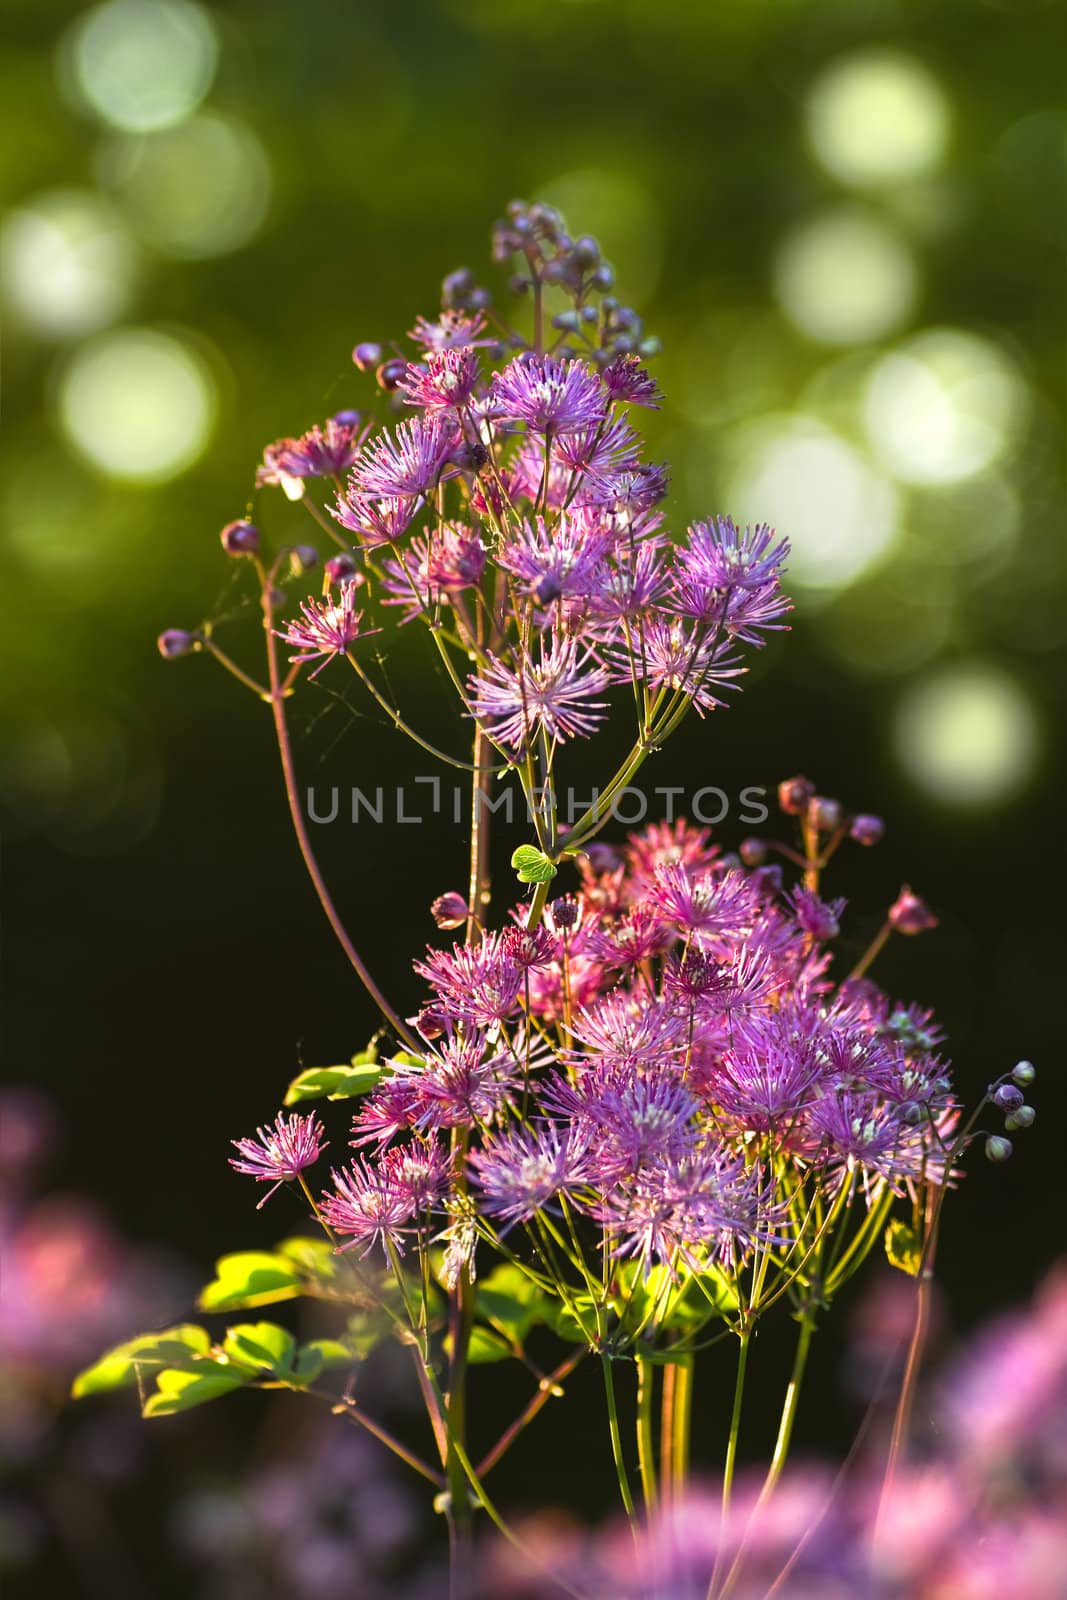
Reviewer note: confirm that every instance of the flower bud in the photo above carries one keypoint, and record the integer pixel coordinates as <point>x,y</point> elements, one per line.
<point>602,857</point>
<point>340,569</point>
<point>1022,1117</point>
<point>565,912</point>
<point>450,910</point>
<point>586,250</point>
<point>390,372</point>
<point>1023,1073</point>
<point>753,852</point>
<point>997,1148</point>
<point>911,1114</point>
<point>824,813</point>
<point>240,539</point>
<point>303,557</point>
<point>603,277</point>
<point>175,642</point>
<point>1008,1097</point>
<point>866,829</point>
<point>794,794</point>
<point>910,914</point>
<point>347,419</point>
<point>365,356</point>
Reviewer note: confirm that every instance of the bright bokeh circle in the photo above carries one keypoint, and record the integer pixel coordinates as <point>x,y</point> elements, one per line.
<point>968,735</point>
<point>877,117</point>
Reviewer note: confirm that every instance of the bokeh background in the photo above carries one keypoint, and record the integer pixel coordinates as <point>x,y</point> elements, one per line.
<point>845,220</point>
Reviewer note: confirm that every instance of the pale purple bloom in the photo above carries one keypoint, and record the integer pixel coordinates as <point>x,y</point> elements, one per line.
<point>477,983</point>
<point>553,692</point>
<point>374,521</point>
<point>557,560</point>
<point>602,451</point>
<point>680,659</point>
<point>626,1029</point>
<point>643,1117</point>
<point>445,381</point>
<point>548,395</point>
<point>320,453</point>
<point>770,1073</point>
<point>712,906</point>
<point>280,1153</point>
<point>819,918</point>
<point>419,1172</point>
<point>406,462</point>
<point>329,628</point>
<point>368,1206</point>
<point>461,1083</point>
<point>521,1171</point>
<point>453,330</point>
<point>625,379</point>
<point>726,557</point>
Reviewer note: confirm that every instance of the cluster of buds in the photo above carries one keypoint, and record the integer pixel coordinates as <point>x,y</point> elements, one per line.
<point>1007,1095</point>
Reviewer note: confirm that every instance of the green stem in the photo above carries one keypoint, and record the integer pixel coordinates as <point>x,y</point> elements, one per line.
<point>645,1455</point>
<point>730,1463</point>
<point>616,1439</point>
<point>676,1410</point>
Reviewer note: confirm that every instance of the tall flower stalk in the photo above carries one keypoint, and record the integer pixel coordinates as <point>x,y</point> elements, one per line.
<point>637,1116</point>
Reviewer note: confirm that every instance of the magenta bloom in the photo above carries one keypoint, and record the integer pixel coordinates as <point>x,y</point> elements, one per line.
<point>560,560</point>
<point>680,659</point>
<point>368,1205</point>
<point>444,382</point>
<point>320,453</point>
<point>453,330</point>
<point>626,379</point>
<point>521,1171</point>
<point>553,693</point>
<point>407,463</point>
<point>278,1155</point>
<point>328,628</point>
<point>549,396</point>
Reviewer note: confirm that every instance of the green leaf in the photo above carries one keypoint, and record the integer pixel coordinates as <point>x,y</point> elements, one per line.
<point>512,1302</point>
<point>121,1367</point>
<point>179,1389</point>
<point>261,1344</point>
<point>318,1355</point>
<point>335,1083</point>
<point>903,1247</point>
<point>251,1278</point>
<point>532,865</point>
<point>485,1346</point>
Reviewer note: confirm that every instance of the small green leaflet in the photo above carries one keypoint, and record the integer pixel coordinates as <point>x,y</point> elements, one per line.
<point>336,1083</point>
<point>532,865</point>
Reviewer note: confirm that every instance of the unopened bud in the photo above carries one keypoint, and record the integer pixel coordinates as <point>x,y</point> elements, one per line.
<point>1023,1073</point>
<point>450,910</point>
<point>366,356</point>
<point>824,813</point>
<point>1022,1117</point>
<point>794,794</point>
<point>1008,1097</point>
<point>565,912</point>
<point>753,852</point>
<point>175,642</point>
<point>910,914</point>
<point>602,857</point>
<point>997,1148</point>
<point>866,829</point>
<point>240,539</point>
<point>340,569</point>
<point>303,557</point>
<point>390,372</point>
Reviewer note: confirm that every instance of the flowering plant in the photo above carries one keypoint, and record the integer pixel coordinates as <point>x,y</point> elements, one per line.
<point>633,1118</point>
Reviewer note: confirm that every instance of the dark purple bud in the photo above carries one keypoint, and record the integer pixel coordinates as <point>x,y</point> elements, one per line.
<point>753,852</point>
<point>555,272</point>
<point>1023,1073</point>
<point>824,813</point>
<point>175,642</point>
<point>450,910</point>
<point>586,251</point>
<point>866,829</point>
<point>479,300</point>
<point>566,321</point>
<point>590,314</point>
<point>240,538</point>
<point>347,419</point>
<point>431,1021</point>
<point>794,794</point>
<point>1024,1117</point>
<point>340,569</point>
<point>770,877</point>
<point>565,912</point>
<point>304,557</point>
<point>910,914</point>
<point>911,1114</point>
<point>390,372</point>
<point>519,283</point>
<point>367,356</point>
<point>547,590</point>
<point>603,277</point>
<point>997,1148</point>
<point>1008,1097</point>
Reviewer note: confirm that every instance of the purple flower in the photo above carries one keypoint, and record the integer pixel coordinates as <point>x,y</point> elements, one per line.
<point>519,1172</point>
<point>679,659</point>
<point>461,1083</point>
<point>374,522</point>
<point>626,379</point>
<point>369,1206</point>
<point>477,983</point>
<point>558,560</point>
<point>548,395</point>
<point>723,556</point>
<point>444,382</point>
<point>628,1030</point>
<point>821,919</point>
<point>709,907</point>
<point>453,330</point>
<point>319,453</point>
<point>553,693</point>
<point>406,463</point>
<point>419,1172</point>
<point>278,1155</point>
<point>770,1073</point>
<point>329,628</point>
<point>910,914</point>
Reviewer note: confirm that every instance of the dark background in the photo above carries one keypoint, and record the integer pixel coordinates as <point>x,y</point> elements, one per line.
<point>166,966</point>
